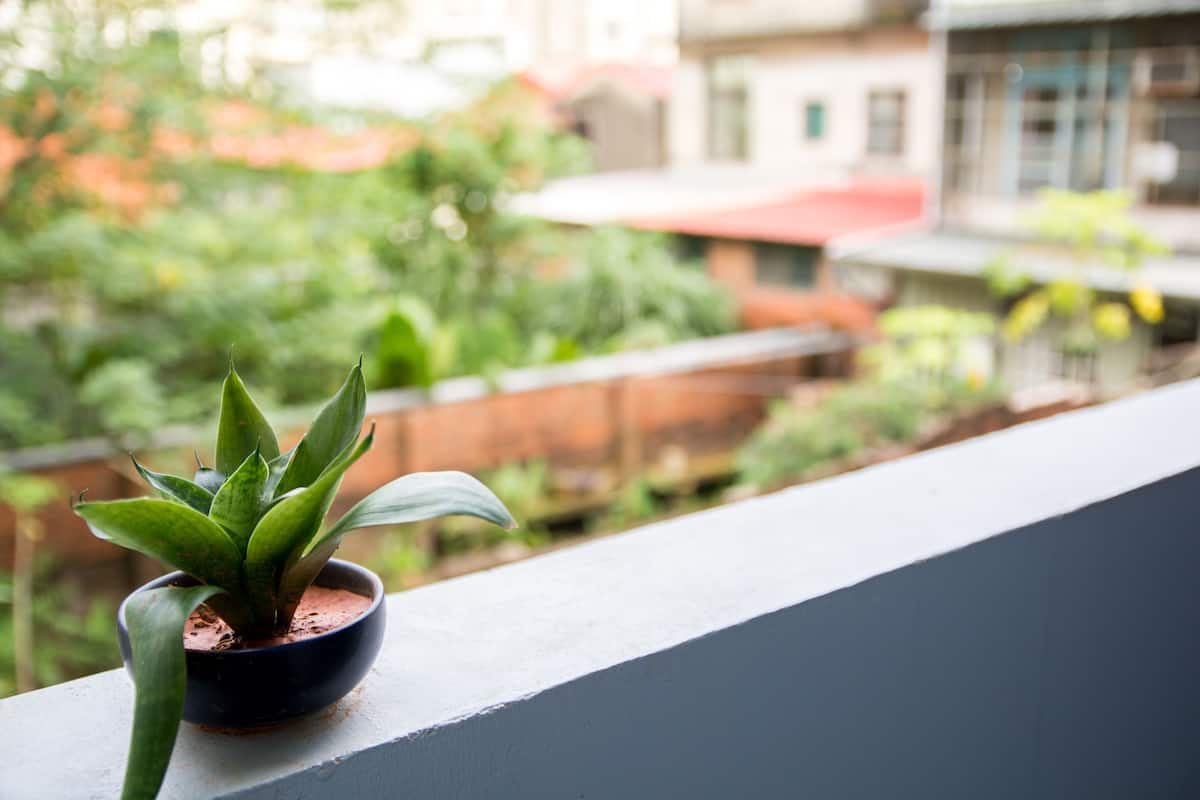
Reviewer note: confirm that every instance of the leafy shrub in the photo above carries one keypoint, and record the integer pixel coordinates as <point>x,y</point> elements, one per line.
<point>626,287</point>
<point>792,442</point>
<point>925,366</point>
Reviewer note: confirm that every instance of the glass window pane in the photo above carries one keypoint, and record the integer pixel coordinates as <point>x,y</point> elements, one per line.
<point>785,265</point>
<point>728,123</point>
<point>814,120</point>
<point>885,122</point>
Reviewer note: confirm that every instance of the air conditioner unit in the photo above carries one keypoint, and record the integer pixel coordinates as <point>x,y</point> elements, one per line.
<point>1169,72</point>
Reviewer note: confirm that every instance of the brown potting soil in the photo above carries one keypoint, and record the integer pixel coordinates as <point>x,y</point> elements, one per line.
<point>321,610</point>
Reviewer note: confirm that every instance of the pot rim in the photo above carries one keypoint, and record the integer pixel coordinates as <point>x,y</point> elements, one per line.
<point>377,598</point>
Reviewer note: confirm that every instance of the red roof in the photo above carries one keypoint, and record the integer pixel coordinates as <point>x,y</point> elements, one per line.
<point>812,217</point>
<point>557,81</point>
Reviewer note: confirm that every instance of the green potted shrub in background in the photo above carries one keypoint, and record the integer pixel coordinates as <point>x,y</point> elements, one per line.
<point>248,539</point>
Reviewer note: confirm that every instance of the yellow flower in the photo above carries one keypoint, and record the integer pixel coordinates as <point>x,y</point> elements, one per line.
<point>1147,302</point>
<point>1111,320</point>
<point>168,276</point>
<point>1026,315</point>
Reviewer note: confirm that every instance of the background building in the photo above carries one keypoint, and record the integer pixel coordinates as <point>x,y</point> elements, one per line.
<point>852,85</point>
<point>1071,96</point>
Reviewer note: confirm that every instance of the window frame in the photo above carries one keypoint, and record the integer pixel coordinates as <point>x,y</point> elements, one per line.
<point>874,95</point>
<point>806,118</point>
<point>727,87</point>
<point>794,267</point>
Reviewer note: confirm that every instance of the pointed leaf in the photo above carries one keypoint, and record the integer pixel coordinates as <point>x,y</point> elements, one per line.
<point>277,466</point>
<point>242,427</point>
<point>422,495</point>
<point>173,487</point>
<point>411,498</point>
<point>289,525</point>
<point>209,479</point>
<point>242,498</point>
<point>171,532</point>
<point>155,619</point>
<point>335,428</point>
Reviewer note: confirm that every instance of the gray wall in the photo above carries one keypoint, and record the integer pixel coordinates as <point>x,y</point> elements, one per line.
<point>1058,661</point>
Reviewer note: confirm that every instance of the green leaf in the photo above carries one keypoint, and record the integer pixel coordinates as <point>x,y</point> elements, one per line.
<point>173,487</point>
<point>171,532</point>
<point>335,428</point>
<point>209,479</point>
<point>288,526</point>
<point>277,465</point>
<point>422,495</point>
<point>242,498</point>
<point>297,575</point>
<point>411,498</point>
<point>156,618</point>
<point>242,427</point>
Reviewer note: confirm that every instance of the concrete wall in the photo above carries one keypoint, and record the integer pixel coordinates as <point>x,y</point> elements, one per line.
<point>1058,661</point>
<point>1014,616</point>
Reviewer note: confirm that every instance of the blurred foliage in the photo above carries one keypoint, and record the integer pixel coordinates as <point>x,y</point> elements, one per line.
<point>23,493</point>
<point>73,634</point>
<point>635,501</point>
<point>933,362</point>
<point>1098,233</point>
<point>400,559</point>
<point>525,489</point>
<point>150,221</point>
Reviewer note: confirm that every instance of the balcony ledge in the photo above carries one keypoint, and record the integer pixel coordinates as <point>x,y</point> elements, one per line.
<point>1012,616</point>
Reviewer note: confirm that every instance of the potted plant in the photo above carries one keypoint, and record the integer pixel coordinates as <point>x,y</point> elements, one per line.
<point>274,627</point>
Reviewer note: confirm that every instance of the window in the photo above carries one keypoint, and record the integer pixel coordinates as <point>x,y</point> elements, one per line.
<point>728,125</point>
<point>1039,137</point>
<point>1074,365</point>
<point>885,123</point>
<point>1178,122</point>
<point>814,120</point>
<point>785,265</point>
<point>1180,325</point>
<point>1065,127</point>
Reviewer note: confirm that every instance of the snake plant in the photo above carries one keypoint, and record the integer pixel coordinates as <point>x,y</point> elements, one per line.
<point>251,530</point>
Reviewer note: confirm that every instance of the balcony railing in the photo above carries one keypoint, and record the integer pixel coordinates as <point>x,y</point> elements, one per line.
<point>1015,616</point>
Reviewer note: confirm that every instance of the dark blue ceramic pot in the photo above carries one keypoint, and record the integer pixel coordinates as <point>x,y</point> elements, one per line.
<point>261,686</point>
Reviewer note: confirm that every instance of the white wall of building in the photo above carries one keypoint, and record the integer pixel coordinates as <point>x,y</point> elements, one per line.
<point>842,81</point>
<point>841,76</point>
<point>686,121</point>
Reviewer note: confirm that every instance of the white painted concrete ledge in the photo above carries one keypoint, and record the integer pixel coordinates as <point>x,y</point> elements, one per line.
<point>458,649</point>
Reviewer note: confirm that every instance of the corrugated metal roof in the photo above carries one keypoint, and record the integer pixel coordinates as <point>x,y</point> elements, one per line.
<point>944,253</point>
<point>999,14</point>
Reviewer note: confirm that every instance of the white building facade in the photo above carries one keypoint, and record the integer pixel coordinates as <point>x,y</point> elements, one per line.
<point>853,86</point>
